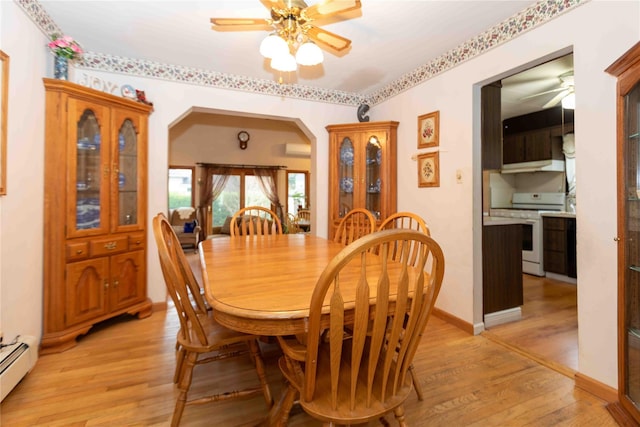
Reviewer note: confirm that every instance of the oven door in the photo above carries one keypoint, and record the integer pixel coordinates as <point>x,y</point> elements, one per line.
<point>532,246</point>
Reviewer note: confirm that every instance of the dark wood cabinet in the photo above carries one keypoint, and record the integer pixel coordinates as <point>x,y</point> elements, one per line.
<point>501,267</point>
<point>491,126</point>
<point>559,243</point>
<point>535,136</point>
<point>627,69</point>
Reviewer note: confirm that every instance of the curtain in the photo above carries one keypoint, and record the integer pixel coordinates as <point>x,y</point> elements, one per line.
<point>214,182</point>
<point>267,182</point>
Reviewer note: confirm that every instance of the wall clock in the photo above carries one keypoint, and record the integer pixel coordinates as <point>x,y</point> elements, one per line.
<point>243,138</point>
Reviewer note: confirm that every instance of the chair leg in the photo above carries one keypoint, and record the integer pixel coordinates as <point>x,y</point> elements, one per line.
<point>256,357</point>
<point>399,414</point>
<point>184,385</point>
<point>416,384</point>
<point>180,355</point>
<point>284,407</point>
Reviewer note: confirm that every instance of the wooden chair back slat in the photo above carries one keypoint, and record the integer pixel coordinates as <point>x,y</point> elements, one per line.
<point>255,221</point>
<point>407,221</point>
<point>371,365</point>
<point>355,224</point>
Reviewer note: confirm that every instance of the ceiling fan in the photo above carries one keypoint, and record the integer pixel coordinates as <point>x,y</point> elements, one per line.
<point>565,89</point>
<point>291,21</point>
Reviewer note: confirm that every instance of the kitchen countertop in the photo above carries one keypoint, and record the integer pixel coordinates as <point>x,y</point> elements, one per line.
<point>559,214</point>
<point>497,220</point>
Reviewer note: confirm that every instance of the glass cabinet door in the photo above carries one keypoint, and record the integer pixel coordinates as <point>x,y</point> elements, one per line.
<point>346,176</point>
<point>127,174</point>
<point>373,160</point>
<point>89,185</point>
<point>632,242</point>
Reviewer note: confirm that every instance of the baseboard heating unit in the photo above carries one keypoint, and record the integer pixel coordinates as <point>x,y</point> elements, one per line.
<point>16,360</point>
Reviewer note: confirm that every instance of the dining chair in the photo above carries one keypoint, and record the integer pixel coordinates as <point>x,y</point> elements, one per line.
<point>255,221</point>
<point>407,221</point>
<point>355,224</point>
<point>304,215</point>
<point>291,224</point>
<point>364,377</point>
<point>200,338</point>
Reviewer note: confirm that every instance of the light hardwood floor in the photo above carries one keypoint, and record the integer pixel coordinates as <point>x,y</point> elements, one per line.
<point>120,374</point>
<point>548,330</point>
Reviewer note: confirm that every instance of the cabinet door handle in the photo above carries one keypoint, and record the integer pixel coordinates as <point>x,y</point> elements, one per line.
<point>110,246</point>
<point>115,284</point>
<point>79,251</point>
<point>616,239</point>
<point>106,285</point>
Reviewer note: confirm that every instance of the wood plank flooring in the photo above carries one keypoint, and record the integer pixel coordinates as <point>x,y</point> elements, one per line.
<point>120,374</point>
<point>548,330</point>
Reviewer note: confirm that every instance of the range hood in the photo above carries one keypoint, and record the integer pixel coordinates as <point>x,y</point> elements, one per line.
<point>535,166</point>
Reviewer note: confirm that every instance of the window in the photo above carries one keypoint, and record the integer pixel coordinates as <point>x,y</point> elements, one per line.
<point>180,186</point>
<point>242,189</point>
<point>297,191</point>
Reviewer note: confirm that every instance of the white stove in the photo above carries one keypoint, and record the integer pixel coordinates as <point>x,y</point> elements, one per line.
<point>528,207</point>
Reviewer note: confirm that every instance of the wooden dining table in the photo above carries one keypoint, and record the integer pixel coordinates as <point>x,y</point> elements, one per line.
<point>262,285</point>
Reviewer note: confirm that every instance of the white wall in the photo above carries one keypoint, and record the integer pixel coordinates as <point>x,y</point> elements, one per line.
<point>21,223</point>
<point>599,32</point>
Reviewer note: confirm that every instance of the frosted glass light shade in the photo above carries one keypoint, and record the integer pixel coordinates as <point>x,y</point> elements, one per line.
<point>284,63</point>
<point>272,46</point>
<point>569,102</point>
<point>309,54</point>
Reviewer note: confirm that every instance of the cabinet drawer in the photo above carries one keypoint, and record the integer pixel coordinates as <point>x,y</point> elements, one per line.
<point>77,251</point>
<point>136,241</point>
<point>110,245</point>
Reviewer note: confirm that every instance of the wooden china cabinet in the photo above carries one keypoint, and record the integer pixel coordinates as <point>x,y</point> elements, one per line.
<point>362,170</point>
<point>95,212</point>
<point>627,70</point>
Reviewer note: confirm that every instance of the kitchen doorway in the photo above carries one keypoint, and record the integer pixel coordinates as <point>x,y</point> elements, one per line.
<point>545,328</point>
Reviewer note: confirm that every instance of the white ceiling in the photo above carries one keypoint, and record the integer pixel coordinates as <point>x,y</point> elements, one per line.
<point>389,38</point>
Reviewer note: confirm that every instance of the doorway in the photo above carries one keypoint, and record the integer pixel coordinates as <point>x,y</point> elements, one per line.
<point>547,329</point>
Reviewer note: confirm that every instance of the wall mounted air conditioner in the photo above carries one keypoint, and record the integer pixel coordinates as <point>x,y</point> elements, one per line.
<point>297,150</point>
<point>16,360</point>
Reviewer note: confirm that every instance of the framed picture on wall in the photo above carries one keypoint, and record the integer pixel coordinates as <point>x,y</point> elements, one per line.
<point>4,103</point>
<point>429,130</point>
<point>429,170</point>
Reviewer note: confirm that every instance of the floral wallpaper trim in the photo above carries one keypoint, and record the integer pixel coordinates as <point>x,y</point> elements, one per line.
<point>526,20</point>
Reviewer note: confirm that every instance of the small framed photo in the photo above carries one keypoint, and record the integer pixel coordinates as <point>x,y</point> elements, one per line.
<point>429,130</point>
<point>429,170</point>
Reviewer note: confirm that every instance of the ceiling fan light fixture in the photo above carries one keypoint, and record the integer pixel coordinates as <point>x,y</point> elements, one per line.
<point>284,62</point>
<point>309,54</point>
<point>569,102</point>
<point>273,46</point>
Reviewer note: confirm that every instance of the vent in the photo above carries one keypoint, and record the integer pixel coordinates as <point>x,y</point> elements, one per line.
<point>16,360</point>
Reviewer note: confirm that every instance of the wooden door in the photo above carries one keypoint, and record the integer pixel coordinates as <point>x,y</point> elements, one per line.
<point>127,279</point>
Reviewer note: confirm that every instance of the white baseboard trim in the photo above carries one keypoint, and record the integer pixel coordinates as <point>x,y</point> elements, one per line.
<point>504,316</point>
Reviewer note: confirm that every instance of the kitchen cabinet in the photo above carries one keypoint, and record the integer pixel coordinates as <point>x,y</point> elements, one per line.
<point>362,170</point>
<point>627,70</point>
<point>559,245</point>
<point>95,211</point>
<point>501,267</point>
<point>536,136</point>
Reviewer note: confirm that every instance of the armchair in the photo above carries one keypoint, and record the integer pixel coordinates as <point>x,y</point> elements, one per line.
<point>185,224</point>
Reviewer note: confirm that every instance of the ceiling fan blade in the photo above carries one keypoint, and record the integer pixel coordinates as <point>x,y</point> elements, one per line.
<point>328,38</point>
<point>558,89</point>
<point>230,22</point>
<point>278,4</point>
<point>330,8</point>
<point>556,99</point>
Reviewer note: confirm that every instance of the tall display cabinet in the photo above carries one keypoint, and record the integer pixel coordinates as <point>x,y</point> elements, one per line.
<point>362,169</point>
<point>627,70</point>
<point>94,211</point>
